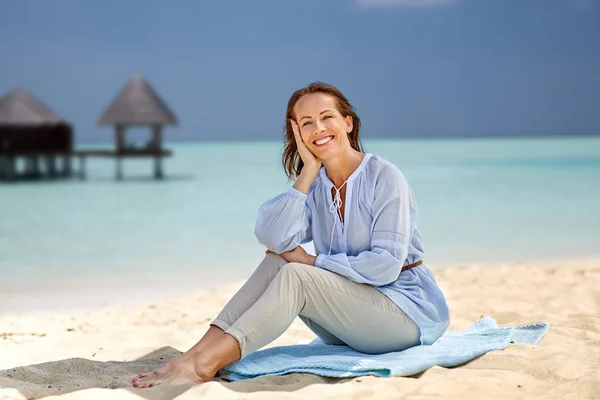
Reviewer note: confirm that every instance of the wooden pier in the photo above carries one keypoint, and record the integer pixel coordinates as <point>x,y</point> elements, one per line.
<point>48,166</point>
<point>120,156</point>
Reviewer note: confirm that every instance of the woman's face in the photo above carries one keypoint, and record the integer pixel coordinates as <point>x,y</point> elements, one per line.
<point>323,129</point>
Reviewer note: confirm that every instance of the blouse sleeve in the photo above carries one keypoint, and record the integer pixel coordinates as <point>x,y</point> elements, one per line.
<point>283,222</point>
<point>390,235</point>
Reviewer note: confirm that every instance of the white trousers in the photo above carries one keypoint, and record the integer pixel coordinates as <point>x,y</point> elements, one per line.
<point>335,308</point>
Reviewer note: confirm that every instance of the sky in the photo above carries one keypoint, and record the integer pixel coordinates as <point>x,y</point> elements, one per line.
<point>411,68</point>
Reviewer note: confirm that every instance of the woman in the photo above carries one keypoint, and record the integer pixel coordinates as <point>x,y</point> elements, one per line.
<point>367,288</point>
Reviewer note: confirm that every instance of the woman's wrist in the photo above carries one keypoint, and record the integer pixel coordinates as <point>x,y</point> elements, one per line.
<point>311,260</point>
<point>305,179</point>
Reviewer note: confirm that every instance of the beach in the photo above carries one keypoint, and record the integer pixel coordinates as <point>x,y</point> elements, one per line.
<point>94,354</point>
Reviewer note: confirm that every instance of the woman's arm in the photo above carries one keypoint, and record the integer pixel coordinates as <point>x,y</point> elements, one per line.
<point>392,211</point>
<point>284,222</point>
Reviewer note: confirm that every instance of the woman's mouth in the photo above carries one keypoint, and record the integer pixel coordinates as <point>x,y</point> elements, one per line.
<point>322,141</point>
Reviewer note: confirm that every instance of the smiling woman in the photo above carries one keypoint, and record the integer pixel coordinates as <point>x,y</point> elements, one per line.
<point>322,107</point>
<point>366,288</point>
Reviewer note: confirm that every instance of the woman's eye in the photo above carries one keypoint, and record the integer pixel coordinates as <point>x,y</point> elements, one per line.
<point>327,117</point>
<point>306,123</point>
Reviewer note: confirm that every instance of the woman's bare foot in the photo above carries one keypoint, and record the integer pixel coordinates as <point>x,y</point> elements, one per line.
<point>193,367</point>
<point>183,369</point>
<point>178,369</point>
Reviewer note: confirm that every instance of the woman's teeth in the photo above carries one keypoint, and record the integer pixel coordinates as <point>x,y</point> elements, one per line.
<point>324,140</point>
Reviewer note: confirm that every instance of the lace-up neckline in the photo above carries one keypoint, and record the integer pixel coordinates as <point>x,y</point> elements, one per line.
<point>336,204</point>
<point>336,207</point>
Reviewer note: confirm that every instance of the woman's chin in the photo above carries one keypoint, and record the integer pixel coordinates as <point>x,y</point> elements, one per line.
<point>324,153</point>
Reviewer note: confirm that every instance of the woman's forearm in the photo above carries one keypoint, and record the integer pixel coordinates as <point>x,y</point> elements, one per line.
<point>305,179</point>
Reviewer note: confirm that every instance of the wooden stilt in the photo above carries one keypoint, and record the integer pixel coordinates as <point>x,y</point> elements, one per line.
<point>158,170</point>
<point>3,167</point>
<point>46,163</point>
<point>35,160</point>
<point>157,145</point>
<point>119,168</point>
<point>11,167</point>
<point>66,166</point>
<point>53,169</point>
<point>29,166</point>
<point>82,172</point>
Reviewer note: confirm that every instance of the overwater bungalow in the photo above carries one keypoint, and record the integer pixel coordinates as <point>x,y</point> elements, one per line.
<point>34,142</point>
<point>139,105</point>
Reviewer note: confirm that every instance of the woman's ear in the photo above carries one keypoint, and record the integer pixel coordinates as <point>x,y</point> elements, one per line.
<point>349,123</point>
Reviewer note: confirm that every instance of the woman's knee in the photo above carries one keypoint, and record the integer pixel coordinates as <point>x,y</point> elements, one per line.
<point>295,269</point>
<point>271,264</point>
<point>294,274</point>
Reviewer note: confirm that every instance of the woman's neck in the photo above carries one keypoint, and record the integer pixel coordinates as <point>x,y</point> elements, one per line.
<point>340,167</point>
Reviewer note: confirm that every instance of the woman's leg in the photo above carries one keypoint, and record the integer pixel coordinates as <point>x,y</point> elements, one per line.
<point>248,294</point>
<point>357,314</point>
<point>326,336</point>
<point>245,298</point>
<point>238,305</point>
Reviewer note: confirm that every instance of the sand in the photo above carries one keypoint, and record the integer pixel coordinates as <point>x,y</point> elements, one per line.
<point>94,354</point>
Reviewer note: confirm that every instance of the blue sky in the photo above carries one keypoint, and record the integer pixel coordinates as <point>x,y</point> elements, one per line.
<point>227,68</point>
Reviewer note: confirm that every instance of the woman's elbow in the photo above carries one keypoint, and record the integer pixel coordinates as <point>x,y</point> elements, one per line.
<point>273,244</point>
<point>264,238</point>
<point>265,234</point>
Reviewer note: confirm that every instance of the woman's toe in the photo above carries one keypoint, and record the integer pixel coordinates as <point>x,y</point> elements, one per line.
<point>141,382</point>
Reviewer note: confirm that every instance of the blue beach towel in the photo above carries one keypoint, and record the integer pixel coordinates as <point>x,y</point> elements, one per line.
<point>452,349</point>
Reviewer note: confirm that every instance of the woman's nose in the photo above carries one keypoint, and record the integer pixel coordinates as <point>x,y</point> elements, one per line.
<point>319,127</point>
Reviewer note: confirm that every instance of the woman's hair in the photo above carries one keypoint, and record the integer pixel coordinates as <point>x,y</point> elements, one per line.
<point>292,163</point>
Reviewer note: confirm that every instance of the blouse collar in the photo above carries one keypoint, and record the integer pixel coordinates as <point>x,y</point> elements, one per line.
<point>357,171</point>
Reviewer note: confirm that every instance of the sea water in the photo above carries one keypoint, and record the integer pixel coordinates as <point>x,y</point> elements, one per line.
<point>480,201</point>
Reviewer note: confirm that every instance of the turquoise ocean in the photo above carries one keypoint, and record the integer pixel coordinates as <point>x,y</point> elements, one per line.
<point>481,201</point>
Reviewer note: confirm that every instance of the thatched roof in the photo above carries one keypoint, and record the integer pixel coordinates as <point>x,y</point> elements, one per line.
<point>137,104</point>
<point>18,107</point>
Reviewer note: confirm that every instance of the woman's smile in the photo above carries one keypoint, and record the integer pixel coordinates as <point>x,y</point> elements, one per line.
<point>323,141</point>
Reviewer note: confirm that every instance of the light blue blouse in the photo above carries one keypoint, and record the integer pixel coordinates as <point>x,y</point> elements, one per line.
<point>376,239</point>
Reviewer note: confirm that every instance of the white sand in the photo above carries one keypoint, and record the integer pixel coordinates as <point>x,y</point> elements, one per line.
<point>94,355</point>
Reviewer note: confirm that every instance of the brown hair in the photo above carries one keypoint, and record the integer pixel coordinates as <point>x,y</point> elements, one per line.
<point>292,163</point>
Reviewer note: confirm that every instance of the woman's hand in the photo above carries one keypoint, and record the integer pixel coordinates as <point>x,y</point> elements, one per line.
<point>298,255</point>
<point>311,163</point>
<point>308,158</point>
